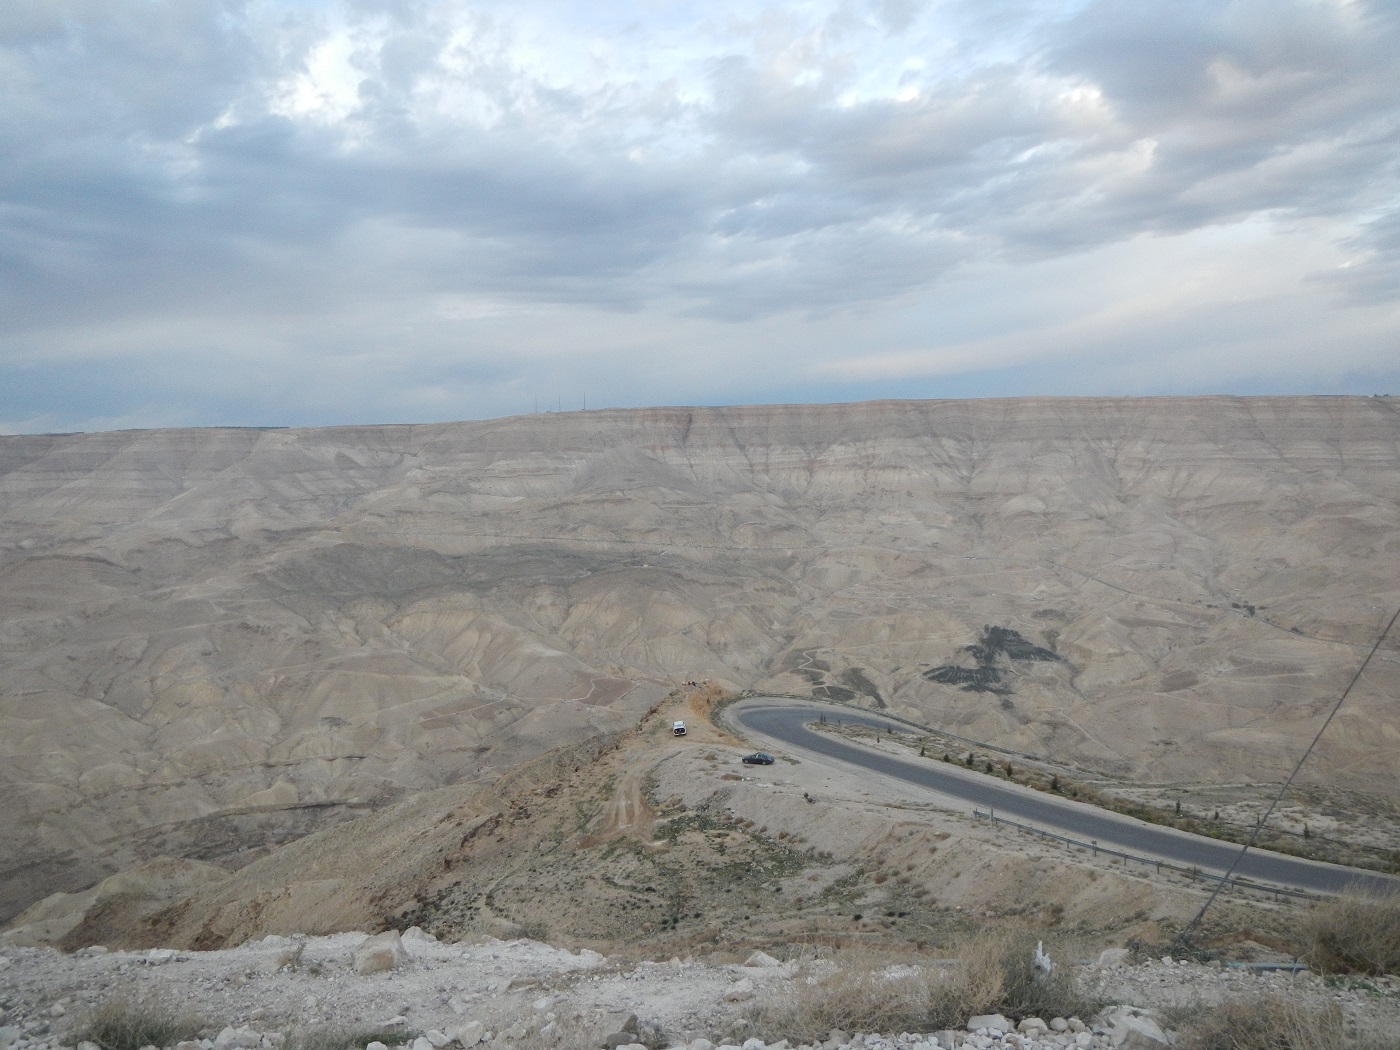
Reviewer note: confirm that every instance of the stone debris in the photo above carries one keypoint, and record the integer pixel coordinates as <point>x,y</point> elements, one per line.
<point>494,995</point>
<point>762,959</point>
<point>741,991</point>
<point>382,952</point>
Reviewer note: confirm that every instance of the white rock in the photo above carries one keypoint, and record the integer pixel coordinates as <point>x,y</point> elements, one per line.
<point>468,1034</point>
<point>422,1043</point>
<point>761,959</point>
<point>1032,1025</point>
<point>754,1044</point>
<point>740,991</point>
<point>1083,1039</point>
<point>416,933</point>
<point>437,1038</point>
<point>542,1006</point>
<point>1059,1024</point>
<point>991,1022</point>
<point>701,1044</point>
<point>1113,956</point>
<point>1138,1033</point>
<point>380,953</point>
<point>278,960</point>
<point>376,1045</point>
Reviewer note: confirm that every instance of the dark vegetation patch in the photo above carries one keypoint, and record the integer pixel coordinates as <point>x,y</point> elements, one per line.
<point>986,677</point>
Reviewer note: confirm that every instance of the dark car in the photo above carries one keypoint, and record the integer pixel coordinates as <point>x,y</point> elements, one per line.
<point>758,758</point>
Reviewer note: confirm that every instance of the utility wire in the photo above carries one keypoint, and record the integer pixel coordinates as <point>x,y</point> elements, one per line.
<point>1185,933</point>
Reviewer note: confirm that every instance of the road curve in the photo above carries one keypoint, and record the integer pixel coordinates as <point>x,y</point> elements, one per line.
<point>786,720</point>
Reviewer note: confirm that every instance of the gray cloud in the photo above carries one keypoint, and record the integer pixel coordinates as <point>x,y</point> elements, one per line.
<point>213,188</point>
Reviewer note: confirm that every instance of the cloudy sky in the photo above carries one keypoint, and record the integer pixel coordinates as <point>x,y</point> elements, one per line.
<point>297,212</point>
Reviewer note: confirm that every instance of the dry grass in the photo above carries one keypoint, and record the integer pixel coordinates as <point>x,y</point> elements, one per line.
<point>1269,1023</point>
<point>1355,935</point>
<point>860,991</point>
<point>119,1024</point>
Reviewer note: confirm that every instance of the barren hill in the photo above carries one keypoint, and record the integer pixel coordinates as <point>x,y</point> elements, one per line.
<point>215,640</point>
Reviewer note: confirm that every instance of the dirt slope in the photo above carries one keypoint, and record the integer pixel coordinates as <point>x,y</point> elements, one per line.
<point>643,843</point>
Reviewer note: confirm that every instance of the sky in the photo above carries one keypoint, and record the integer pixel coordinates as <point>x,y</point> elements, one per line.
<point>321,212</point>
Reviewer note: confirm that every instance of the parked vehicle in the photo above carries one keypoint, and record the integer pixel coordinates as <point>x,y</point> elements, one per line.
<point>758,758</point>
<point>678,728</point>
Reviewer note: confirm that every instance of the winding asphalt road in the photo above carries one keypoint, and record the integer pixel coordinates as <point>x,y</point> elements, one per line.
<point>786,721</point>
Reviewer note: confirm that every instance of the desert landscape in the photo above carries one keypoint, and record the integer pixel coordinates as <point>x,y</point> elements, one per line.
<point>218,640</point>
<point>289,683</point>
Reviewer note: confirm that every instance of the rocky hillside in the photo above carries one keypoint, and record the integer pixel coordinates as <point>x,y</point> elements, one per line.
<point>213,641</point>
<point>280,992</point>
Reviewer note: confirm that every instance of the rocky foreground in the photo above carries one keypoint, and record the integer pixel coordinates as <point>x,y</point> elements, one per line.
<point>420,994</point>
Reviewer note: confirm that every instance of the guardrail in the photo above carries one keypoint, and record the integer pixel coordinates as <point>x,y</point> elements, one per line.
<point>1071,769</point>
<point>1193,873</point>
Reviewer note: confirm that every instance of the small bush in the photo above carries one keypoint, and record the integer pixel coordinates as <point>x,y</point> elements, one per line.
<point>119,1024</point>
<point>1269,1023</point>
<point>861,991</point>
<point>1355,935</point>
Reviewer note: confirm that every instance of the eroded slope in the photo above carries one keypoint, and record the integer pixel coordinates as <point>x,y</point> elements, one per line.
<point>215,640</point>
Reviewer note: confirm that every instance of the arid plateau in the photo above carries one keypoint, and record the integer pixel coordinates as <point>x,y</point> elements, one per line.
<point>219,648</point>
